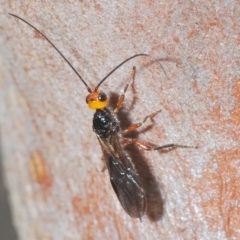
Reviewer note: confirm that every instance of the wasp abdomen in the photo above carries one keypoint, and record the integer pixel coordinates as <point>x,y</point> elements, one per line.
<point>104,123</point>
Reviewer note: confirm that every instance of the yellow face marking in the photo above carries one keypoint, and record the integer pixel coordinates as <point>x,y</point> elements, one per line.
<point>94,102</point>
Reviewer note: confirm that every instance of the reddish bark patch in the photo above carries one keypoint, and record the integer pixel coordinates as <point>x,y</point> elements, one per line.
<point>235,113</point>
<point>38,35</point>
<point>98,7</point>
<point>39,171</point>
<point>221,190</point>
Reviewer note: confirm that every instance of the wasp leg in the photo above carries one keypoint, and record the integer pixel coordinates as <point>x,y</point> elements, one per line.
<point>140,144</point>
<point>139,124</point>
<point>122,96</point>
<point>171,146</point>
<point>150,147</point>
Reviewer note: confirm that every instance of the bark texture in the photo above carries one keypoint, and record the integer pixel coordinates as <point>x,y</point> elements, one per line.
<point>51,157</point>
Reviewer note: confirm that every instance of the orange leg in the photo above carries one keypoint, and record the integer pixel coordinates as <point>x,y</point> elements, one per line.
<point>139,144</point>
<point>139,124</point>
<point>122,96</point>
<point>150,147</point>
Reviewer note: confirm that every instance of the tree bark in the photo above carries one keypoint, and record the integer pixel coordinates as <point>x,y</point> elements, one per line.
<point>51,157</point>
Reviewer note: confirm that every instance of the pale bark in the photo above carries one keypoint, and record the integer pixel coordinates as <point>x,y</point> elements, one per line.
<point>51,157</point>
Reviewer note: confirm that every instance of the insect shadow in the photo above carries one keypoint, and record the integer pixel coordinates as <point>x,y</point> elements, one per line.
<point>155,203</point>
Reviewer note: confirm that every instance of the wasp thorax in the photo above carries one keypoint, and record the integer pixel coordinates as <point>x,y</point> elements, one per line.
<point>97,100</point>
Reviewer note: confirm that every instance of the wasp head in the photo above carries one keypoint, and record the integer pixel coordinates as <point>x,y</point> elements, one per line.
<point>97,100</point>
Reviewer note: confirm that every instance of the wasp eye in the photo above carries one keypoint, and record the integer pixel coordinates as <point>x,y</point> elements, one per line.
<point>102,97</point>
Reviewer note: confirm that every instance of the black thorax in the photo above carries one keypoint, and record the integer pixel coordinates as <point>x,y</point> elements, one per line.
<point>104,123</point>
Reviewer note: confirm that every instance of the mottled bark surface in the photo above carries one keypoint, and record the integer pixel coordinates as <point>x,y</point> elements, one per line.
<point>51,157</point>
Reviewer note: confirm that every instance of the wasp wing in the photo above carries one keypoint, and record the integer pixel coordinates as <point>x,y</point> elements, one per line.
<point>123,177</point>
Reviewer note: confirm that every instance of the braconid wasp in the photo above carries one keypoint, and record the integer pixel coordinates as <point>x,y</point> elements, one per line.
<point>123,176</point>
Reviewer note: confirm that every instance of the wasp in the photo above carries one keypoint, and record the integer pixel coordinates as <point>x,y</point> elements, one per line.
<point>123,176</point>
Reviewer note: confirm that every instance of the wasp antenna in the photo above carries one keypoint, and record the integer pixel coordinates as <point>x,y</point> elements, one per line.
<point>88,88</point>
<point>118,66</point>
